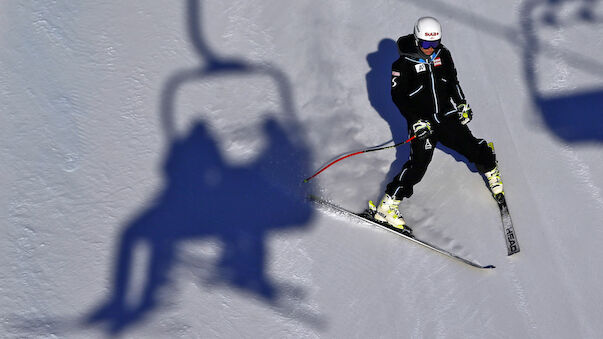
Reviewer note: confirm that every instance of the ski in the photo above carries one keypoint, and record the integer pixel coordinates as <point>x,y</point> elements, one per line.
<point>365,219</point>
<point>507,224</point>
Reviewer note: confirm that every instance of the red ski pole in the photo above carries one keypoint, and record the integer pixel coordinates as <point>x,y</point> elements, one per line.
<point>356,153</point>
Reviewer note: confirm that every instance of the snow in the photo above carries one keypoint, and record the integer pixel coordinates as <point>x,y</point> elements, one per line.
<point>152,153</point>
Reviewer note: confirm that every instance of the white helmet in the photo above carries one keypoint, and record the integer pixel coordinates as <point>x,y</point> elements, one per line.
<point>428,29</point>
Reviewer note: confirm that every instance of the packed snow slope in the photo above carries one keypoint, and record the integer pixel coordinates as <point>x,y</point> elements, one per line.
<point>152,154</point>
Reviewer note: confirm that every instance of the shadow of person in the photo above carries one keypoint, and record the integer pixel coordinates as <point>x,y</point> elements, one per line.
<point>265,205</point>
<point>378,86</point>
<point>206,198</point>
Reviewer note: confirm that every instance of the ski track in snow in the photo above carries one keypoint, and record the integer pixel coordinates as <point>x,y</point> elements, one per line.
<point>583,174</point>
<point>523,304</point>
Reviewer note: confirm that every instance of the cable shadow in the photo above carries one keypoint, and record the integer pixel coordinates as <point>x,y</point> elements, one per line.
<point>205,198</point>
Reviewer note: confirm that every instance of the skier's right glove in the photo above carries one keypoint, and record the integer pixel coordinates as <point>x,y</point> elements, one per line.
<point>422,129</point>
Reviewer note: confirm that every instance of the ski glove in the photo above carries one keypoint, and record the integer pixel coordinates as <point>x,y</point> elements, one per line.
<point>422,129</point>
<point>465,113</point>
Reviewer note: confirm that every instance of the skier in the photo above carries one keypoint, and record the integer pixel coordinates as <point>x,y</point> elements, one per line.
<point>425,88</point>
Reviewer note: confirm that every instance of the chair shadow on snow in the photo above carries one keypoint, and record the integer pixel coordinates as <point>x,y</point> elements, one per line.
<point>205,198</point>
<point>378,81</point>
<point>574,116</point>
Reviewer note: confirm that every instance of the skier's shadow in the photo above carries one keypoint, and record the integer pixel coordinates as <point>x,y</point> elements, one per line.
<point>378,84</point>
<point>234,207</point>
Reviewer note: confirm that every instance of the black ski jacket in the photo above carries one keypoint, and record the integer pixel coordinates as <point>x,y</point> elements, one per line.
<point>425,87</point>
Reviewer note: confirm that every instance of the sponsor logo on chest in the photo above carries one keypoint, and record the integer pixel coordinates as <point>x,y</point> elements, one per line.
<point>437,62</point>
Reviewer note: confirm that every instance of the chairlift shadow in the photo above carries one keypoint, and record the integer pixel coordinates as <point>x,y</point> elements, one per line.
<point>572,116</point>
<point>206,198</point>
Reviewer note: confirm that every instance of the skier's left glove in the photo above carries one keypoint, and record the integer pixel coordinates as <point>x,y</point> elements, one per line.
<point>465,113</point>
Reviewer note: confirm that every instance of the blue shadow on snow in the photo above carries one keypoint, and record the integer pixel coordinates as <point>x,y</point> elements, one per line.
<point>205,198</point>
<point>572,116</point>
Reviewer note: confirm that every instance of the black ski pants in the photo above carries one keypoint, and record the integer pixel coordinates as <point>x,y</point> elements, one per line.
<point>452,135</point>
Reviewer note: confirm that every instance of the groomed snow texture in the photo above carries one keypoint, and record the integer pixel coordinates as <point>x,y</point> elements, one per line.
<point>152,155</point>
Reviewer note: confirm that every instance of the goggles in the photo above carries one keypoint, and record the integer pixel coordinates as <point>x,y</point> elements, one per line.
<point>427,44</point>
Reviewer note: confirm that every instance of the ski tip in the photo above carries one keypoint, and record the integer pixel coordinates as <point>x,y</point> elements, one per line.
<point>489,266</point>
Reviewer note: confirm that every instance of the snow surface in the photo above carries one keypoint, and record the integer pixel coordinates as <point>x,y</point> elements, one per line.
<point>152,152</point>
